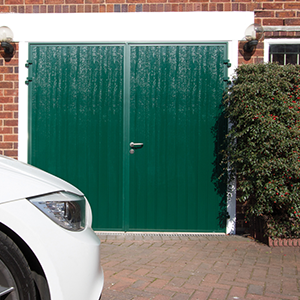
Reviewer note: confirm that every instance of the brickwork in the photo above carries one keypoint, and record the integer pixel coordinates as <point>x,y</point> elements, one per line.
<point>283,242</point>
<point>9,104</point>
<point>268,13</point>
<point>88,6</point>
<point>277,13</point>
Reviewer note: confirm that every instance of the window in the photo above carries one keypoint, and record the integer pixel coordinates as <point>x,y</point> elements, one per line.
<point>285,54</point>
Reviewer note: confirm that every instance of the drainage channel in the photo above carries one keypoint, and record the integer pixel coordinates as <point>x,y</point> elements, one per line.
<point>167,234</point>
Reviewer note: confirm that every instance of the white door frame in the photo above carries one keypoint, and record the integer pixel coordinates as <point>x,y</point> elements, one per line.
<point>121,27</point>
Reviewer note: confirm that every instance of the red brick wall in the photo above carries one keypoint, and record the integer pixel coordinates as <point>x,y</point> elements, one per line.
<point>9,104</point>
<point>87,6</point>
<point>278,13</point>
<point>268,12</point>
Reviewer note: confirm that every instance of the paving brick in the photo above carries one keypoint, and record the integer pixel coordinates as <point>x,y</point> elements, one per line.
<point>255,289</point>
<point>155,291</point>
<point>141,272</point>
<point>273,288</point>
<point>237,292</point>
<point>181,296</point>
<point>122,284</point>
<point>219,294</point>
<point>281,296</point>
<point>159,283</point>
<point>255,297</point>
<point>140,284</point>
<point>137,293</point>
<point>161,297</point>
<point>200,267</point>
<point>211,278</point>
<point>200,295</point>
<point>259,273</point>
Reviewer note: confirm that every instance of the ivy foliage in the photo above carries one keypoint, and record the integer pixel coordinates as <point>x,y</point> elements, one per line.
<point>263,146</point>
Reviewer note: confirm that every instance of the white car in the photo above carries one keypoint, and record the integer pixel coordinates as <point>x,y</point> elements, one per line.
<point>47,247</point>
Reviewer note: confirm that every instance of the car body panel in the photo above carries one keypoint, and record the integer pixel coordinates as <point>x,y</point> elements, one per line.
<point>19,180</point>
<point>70,259</point>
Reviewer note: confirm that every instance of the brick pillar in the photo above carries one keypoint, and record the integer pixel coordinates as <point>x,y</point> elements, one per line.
<point>9,86</point>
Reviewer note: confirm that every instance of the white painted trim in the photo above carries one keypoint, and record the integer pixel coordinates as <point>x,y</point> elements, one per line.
<point>281,28</point>
<point>183,26</point>
<point>23,103</point>
<point>127,27</point>
<point>231,188</point>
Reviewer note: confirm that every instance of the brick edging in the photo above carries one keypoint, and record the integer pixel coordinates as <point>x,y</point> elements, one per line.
<point>283,242</point>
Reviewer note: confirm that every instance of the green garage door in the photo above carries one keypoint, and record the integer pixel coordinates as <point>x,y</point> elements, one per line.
<point>136,127</point>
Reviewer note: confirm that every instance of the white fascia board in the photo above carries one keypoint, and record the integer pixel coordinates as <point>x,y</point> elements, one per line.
<point>111,27</point>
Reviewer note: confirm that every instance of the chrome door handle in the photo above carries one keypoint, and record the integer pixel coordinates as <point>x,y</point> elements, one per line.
<point>136,145</point>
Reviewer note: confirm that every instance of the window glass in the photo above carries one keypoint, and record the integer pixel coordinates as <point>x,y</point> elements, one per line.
<point>291,59</point>
<point>284,53</point>
<point>277,48</point>
<point>278,58</point>
<point>291,48</point>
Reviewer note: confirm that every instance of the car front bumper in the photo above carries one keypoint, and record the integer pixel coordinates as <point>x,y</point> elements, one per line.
<point>70,260</point>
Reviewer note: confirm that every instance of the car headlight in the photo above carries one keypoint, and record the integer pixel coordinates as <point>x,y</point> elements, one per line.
<point>65,209</point>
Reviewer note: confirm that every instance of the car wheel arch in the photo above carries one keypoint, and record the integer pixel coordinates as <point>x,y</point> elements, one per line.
<point>38,274</point>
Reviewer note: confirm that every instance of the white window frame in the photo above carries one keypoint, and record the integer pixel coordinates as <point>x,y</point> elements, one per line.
<point>268,42</point>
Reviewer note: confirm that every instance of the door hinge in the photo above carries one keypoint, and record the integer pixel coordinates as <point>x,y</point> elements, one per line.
<point>29,79</point>
<point>28,63</point>
<point>227,79</point>
<point>227,62</point>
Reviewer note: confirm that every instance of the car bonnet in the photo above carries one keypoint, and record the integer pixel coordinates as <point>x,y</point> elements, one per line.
<point>19,180</point>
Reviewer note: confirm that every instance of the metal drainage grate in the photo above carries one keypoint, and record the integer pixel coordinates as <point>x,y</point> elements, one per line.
<point>159,233</point>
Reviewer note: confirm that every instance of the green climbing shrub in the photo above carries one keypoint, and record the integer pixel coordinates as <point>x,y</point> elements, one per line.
<point>263,146</point>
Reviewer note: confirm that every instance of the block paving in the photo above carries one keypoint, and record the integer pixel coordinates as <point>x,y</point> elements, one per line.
<point>161,267</point>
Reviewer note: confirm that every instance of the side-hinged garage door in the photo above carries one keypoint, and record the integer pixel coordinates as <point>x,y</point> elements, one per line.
<point>136,127</point>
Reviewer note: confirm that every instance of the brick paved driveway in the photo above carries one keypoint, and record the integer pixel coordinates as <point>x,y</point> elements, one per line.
<point>197,267</point>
